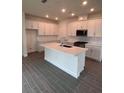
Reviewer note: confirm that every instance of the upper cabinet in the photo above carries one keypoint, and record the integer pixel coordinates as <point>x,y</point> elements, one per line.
<point>98,32</point>
<point>95,28</point>
<point>71,28</point>
<point>77,25</point>
<point>30,24</point>
<point>47,28</point>
<point>41,30</point>
<point>44,28</point>
<point>82,25</point>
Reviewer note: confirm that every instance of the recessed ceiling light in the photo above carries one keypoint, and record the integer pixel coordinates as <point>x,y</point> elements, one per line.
<point>56,18</point>
<point>47,16</point>
<point>72,14</point>
<point>63,10</point>
<point>92,9</point>
<point>84,3</point>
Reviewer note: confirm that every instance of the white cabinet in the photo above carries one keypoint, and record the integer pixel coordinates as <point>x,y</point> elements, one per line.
<point>72,29</point>
<point>41,30</point>
<point>47,29</point>
<point>91,27</point>
<point>94,52</point>
<point>44,28</point>
<point>55,29</point>
<point>95,28</point>
<point>73,26</point>
<point>82,25</point>
<point>30,24</point>
<point>51,29</point>
<point>98,28</point>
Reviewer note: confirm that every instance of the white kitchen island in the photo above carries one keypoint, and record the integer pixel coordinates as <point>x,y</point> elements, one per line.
<point>71,60</point>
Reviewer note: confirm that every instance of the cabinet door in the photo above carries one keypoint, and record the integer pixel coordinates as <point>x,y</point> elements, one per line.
<point>26,24</point>
<point>48,28</point>
<point>74,28</point>
<point>98,28</point>
<point>55,29</point>
<point>96,53</point>
<point>69,29</point>
<point>41,30</point>
<point>89,52</point>
<point>83,24</point>
<point>29,24</point>
<point>91,28</point>
<point>35,25</point>
<point>78,25</point>
<point>52,29</point>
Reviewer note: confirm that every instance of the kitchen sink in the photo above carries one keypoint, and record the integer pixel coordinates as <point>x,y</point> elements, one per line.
<point>68,46</point>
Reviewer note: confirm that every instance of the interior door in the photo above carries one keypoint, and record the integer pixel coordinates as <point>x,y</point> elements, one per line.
<point>31,40</point>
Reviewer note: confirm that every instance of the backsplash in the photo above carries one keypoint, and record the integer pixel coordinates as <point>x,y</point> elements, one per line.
<point>45,39</point>
<point>87,39</point>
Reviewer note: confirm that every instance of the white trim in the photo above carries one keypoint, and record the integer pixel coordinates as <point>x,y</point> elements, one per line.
<point>25,55</point>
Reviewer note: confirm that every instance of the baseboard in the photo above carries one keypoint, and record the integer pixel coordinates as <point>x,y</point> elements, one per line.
<point>94,59</point>
<point>25,55</point>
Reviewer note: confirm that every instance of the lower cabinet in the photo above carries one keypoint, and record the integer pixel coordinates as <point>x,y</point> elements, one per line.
<point>94,52</point>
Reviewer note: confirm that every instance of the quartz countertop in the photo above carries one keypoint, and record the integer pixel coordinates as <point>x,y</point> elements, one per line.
<point>56,46</point>
<point>94,44</point>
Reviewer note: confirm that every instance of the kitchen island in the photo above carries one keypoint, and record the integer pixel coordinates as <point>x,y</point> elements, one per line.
<point>69,59</point>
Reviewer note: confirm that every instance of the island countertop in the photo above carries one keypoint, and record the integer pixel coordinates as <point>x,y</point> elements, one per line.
<point>56,46</point>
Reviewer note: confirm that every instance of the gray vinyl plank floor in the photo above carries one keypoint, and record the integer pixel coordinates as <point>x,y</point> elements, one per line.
<point>39,76</point>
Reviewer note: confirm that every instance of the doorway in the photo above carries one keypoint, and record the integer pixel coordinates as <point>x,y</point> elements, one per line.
<point>31,40</point>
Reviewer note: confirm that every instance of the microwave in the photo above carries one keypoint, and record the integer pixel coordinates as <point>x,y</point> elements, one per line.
<point>81,32</point>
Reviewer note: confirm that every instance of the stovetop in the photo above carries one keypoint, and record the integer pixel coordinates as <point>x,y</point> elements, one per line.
<point>80,43</point>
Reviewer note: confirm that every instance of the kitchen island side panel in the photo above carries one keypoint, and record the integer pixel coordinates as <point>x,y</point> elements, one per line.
<point>71,64</point>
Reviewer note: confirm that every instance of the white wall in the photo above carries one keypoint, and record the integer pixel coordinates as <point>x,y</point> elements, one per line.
<point>24,44</point>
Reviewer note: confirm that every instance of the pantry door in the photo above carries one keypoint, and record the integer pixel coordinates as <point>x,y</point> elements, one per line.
<point>31,40</point>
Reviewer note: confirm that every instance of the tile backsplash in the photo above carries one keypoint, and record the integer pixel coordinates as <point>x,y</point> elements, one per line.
<point>87,39</point>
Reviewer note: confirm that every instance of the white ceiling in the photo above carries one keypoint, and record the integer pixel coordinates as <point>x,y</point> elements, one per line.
<point>53,7</point>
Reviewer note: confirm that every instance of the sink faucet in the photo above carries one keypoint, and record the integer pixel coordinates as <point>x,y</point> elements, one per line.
<point>62,41</point>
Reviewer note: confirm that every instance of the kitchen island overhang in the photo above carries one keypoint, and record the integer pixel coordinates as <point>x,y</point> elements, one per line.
<point>71,60</point>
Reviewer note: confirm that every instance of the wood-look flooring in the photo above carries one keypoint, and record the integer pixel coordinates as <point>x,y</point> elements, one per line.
<point>39,76</point>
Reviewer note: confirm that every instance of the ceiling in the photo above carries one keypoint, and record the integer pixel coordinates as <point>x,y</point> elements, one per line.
<point>53,7</point>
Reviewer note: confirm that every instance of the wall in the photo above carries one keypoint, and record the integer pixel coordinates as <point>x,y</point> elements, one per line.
<point>87,39</point>
<point>24,44</point>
